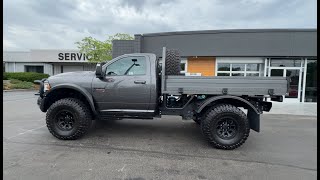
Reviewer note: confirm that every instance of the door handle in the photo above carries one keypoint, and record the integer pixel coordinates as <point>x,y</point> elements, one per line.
<point>139,82</point>
<point>109,80</point>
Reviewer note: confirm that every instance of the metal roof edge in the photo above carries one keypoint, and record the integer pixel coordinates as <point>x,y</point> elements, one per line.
<point>16,51</point>
<point>228,31</point>
<point>54,50</point>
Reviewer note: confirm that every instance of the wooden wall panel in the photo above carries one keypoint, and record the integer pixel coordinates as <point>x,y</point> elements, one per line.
<point>203,65</point>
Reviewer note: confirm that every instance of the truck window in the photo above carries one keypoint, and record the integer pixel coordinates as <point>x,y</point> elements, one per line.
<point>127,66</point>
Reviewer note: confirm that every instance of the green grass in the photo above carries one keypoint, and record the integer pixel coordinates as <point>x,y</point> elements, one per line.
<point>15,81</point>
<point>17,84</point>
<point>22,85</point>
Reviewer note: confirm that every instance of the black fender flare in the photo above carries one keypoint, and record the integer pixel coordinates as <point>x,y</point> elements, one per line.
<point>80,89</point>
<point>253,112</point>
<point>212,99</point>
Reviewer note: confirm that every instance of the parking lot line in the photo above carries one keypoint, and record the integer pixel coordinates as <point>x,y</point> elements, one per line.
<point>30,130</point>
<point>17,100</point>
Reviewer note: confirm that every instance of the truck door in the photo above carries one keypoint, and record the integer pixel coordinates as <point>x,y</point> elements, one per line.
<point>125,87</point>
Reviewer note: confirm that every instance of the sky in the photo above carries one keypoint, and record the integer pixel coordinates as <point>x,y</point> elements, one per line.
<point>58,24</point>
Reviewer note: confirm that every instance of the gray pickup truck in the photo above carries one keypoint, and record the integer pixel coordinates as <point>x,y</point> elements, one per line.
<point>138,86</point>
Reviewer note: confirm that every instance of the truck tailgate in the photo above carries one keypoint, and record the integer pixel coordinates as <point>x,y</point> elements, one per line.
<point>225,85</point>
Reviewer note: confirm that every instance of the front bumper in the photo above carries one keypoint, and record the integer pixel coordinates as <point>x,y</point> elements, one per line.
<point>41,99</point>
<point>41,103</point>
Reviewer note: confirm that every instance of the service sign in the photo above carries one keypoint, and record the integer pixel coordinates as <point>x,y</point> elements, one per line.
<point>63,56</point>
<point>72,57</point>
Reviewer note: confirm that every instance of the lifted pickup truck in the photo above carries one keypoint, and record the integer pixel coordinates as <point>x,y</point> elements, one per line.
<point>137,86</point>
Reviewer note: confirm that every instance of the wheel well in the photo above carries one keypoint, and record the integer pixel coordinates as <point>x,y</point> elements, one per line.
<point>62,93</point>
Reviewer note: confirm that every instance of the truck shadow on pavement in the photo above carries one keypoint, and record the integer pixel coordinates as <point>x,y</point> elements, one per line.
<point>160,130</point>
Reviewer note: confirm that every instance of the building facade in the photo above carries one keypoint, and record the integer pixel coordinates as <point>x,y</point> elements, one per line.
<point>50,62</point>
<point>290,53</point>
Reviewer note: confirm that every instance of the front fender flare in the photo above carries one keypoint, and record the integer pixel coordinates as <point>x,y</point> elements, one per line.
<point>80,89</point>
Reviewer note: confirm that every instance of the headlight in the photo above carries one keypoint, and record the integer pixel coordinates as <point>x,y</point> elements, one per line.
<point>46,86</point>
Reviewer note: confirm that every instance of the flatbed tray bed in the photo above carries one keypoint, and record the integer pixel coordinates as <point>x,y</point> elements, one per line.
<point>217,85</point>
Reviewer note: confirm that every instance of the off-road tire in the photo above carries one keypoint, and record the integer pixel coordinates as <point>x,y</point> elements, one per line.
<point>172,66</point>
<point>220,113</point>
<point>82,118</point>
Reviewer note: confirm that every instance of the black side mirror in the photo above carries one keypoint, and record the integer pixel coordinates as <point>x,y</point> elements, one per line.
<point>99,72</point>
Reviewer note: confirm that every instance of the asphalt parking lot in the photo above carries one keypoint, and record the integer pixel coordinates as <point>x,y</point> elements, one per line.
<point>166,148</point>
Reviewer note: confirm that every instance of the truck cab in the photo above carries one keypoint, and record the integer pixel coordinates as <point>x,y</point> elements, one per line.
<point>127,86</point>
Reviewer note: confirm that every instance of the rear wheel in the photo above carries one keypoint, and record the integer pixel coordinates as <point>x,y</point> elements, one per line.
<point>68,119</point>
<point>225,126</point>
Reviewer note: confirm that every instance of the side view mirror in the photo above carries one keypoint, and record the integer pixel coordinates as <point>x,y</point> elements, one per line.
<point>99,72</point>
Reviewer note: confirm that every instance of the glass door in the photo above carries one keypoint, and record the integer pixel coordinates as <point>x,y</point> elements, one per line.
<point>311,81</point>
<point>294,77</point>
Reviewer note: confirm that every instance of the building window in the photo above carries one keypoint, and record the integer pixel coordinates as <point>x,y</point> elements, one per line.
<point>223,67</point>
<point>239,69</point>
<point>253,67</point>
<point>277,62</point>
<point>37,69</point>
<point>311,81</point>
<point>223,74</point>
<point>252,74</point>
<point>237,74</point>
<point>184,66</point>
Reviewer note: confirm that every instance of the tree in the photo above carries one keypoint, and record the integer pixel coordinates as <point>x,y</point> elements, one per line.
<point>100,51</point>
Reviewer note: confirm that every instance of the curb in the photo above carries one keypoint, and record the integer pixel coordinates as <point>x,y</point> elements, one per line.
<point>17,90</point>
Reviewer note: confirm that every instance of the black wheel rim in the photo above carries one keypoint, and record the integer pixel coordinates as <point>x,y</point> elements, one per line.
<point>65,120</point>
<point>227,128</point>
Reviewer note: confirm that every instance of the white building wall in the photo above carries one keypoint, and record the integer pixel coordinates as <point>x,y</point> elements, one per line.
<point>68,56</point>
<point>9,67</point>
<point>20,67</point>
<point>56,69</point>
<point>48,69</point>
<point>67,66</point>
<point>16,56</point>
<point>51,60</point>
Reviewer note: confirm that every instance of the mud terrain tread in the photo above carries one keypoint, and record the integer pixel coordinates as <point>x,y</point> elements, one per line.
<point>83,111</point>
<point>172,62</point>
<point>212,115</point>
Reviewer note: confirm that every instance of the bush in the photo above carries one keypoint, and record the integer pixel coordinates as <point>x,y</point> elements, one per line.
<point>5,77</point>
<point>15,81</point>
<point>24,76</point>
<point>22,85</point>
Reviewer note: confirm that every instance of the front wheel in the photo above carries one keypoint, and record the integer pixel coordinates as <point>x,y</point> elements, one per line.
<point>225,126</point>
<point>68,119</point>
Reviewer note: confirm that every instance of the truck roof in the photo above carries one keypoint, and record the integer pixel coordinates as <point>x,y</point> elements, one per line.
<point>136,54</point>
